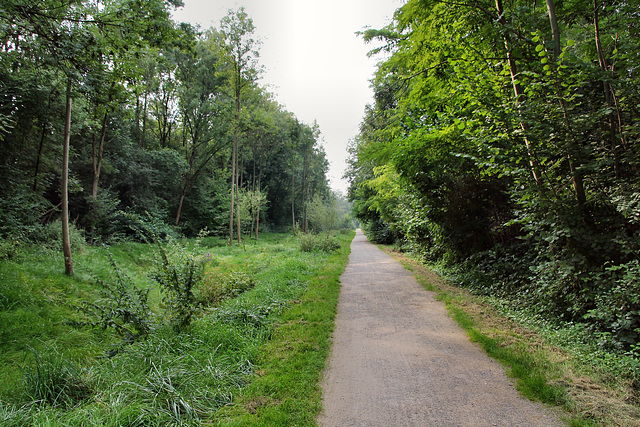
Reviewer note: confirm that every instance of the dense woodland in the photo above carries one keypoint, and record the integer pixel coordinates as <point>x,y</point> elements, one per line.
<point>142,125</point>
<point>503,144</point>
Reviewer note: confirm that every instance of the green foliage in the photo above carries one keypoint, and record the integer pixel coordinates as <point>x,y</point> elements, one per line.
<point>319,243</point>
<point>152,124</point>
<point>139,228</point>
<point>219,285</point>
<point>178,271</point>
<point>522,170</point>
<point>379,231</point>
<point>322,215</point>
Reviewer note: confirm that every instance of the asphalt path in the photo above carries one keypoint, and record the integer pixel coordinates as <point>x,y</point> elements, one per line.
<point>398,359</point>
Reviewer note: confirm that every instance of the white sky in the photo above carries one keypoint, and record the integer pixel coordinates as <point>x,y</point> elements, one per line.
<point>314,62</point>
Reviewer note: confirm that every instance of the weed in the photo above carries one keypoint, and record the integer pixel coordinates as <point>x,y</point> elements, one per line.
<point>123,307</point>
<point>178,271</point>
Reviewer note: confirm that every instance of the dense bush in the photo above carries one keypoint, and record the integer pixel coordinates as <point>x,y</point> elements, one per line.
<point>318,242</point>
<point>379,231</point>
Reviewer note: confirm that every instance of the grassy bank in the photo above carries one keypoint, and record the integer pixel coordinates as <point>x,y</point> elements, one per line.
<point>252,354</point>
<point>557,366</point>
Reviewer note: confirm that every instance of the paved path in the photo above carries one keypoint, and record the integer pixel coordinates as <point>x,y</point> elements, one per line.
<point>399,360</point>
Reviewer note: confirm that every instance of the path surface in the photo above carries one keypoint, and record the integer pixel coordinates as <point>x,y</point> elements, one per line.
<point>399,360</point>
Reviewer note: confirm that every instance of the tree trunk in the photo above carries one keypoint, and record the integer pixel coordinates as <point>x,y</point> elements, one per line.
<point>293,197</point>
<point>259,187</point>
<point>518,94</point>
<point>41,146</point>
<point>97,157</point>
<point>66,243</point>
<point>615,117</point>
<point>238,187</point>
<point>144,121</point>
<point>181,202</point>
<point>573,152</point>
<point>234,156</point>
<point>555,28</point>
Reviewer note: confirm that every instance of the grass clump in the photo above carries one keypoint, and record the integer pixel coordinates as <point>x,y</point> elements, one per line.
<point>53,380</point>
<point>319,243</point>
<point>220,284</point>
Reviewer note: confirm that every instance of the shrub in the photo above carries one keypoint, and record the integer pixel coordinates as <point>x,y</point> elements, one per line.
<point>178,272</point>
<point>218,286</point>
<point>321,243</point>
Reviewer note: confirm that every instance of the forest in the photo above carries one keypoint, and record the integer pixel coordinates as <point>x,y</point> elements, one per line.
<point>502,146</point>
<point>160,215</point>
<point>113,115</point>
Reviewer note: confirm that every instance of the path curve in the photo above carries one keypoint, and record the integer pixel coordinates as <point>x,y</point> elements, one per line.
<point>398,359</point>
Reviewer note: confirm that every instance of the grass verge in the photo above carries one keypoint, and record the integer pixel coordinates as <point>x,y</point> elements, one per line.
<point>254,358</point>
<point>286,389</point>
<point>542,370</point>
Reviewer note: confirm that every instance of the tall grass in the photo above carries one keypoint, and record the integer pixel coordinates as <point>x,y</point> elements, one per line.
<point>193,376</point>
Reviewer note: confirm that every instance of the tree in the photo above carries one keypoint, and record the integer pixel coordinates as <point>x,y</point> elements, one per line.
<point>202,110</point>
<point>468,95</point>
<point>236,31</point>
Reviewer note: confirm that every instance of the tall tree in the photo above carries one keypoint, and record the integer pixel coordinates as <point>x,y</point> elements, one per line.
<point>202,110</point>
<point>237,41</point>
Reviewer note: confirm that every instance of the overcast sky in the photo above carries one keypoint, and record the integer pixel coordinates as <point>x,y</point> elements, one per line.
<point>314,62</point>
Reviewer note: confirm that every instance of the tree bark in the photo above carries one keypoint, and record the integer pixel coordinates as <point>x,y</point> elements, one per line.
<point>66,243</point>
<point>234,160</point>
<point>181,202</point>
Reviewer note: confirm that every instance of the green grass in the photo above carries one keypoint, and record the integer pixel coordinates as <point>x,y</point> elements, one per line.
<point>255,359</point>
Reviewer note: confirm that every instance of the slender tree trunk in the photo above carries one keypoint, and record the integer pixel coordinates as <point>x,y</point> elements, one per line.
<point>238,187</point>
<point>259,187</point>
<point>144,121</point>
<point>615,117</point>
<point>573,152</point>
<point>183,193</point>
<point>293,197</point>
<point>234,161</point>
<point>555,28</point>
<point>518,94</point>
<point>66,243</point>
<point>97,157</point>
<point>40,148</point>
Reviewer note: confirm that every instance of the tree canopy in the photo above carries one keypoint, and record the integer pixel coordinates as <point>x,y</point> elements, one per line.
<point>168,124</point>
<point>503,137</point>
